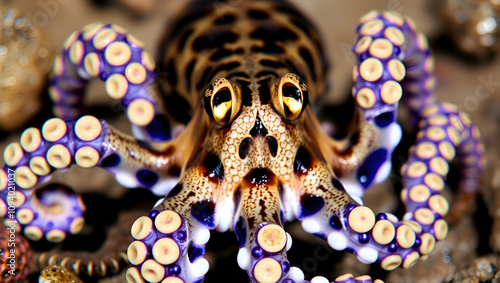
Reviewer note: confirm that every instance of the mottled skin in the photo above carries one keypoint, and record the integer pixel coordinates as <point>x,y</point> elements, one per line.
<point>252,155</point>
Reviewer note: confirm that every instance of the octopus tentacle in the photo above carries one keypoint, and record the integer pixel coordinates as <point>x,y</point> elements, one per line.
<point>384,38</point>
<point>328,211</point>
<point>444,133</point>
<point>118,58</point>
<point>111,258</point>
<point>262,238</point>
<point>170,242</point>
<point>88,142</point>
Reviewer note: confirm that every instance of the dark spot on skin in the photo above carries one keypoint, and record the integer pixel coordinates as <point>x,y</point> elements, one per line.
<point>272,64</point>
<point>246,94</point>
<point>170,75</point>
<point>293,13</point>
<point>266,73</point>
<point>272,143</point>
<point>174,270</point>
<point>264,94</point>
<point>203,81</point>
<point>257,14</point>
<point>146,177</point>
<point>225,19</point>
<point>335,222</point>
<point>393,247</point>
<point>310,204</point>
<point>220,53</point>
<point>385,119</point>
<point>195,252</point>
<point>349,250</point>
<point>175,190</point>
<point>301,25</point>
<point>238,75</point>
<point>294,68</point>
<point>257,252</point>
<point>214,40</point>
<point>159,128</point>
<point>189,73</point>
<point>153,213</point>
<point>241,231</point>
<point>203,211</point>
<point>111,161</point>
<point>243,82</point>
<point>244,147</point>
<point>321,188</point>
<point>224,67</point>
<point>214,167</point>
<point>269,48</point>
<point>337,185</point>
<point>302,161</point>
<point>259,176</point>
<point>273,33</point>
<point>364,238</point>
<point>184,37</point>
<point>180,235</point>
<point>306,55</point>
<point>367,172</point>
<point>258,128</point>
<point>178,107</point>
<point>182,23</point>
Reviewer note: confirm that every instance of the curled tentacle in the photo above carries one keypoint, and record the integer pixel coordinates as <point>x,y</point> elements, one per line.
<point>170,243</point>
<point>87,142</point>
<point>445,133</point>
<point>111,258</point>
<point>118,58</point>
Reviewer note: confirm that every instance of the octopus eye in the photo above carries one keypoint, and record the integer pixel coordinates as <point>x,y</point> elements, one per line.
<point>222,101</point>
<point>289,96</point>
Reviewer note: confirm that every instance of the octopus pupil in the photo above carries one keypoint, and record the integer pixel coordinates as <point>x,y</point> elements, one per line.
<point>292,91</point>
<point>221,96</point>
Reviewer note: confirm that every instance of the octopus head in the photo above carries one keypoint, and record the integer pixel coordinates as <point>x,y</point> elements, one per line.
<point>255,135</point>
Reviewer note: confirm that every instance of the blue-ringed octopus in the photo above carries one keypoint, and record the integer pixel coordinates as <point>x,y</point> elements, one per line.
<point>240,86</point>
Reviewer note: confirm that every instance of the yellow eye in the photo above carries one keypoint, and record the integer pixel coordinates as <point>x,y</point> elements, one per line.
<point>289,96</point>
<point>222,101</point>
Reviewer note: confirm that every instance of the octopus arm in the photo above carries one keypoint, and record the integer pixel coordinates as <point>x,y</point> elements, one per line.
<point>53,211</point>
<point>393,58</point>
<point>170,242</point>
<point>118,58</point>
